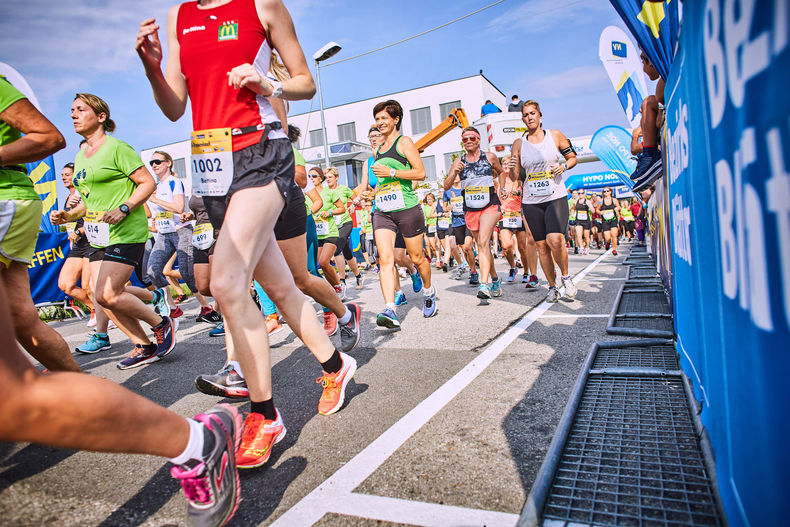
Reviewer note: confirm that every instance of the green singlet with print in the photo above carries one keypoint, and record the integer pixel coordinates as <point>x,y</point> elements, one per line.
<point>14,184</point>
<point>326,227</point>
<point>394,194</point>
<point>344,193</point>
<point>426,210</point>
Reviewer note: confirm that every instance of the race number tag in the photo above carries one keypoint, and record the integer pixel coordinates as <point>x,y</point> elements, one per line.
<point>581,215</point>
<point>69,227</point>
<point>458,204</point>
<point>164,222</point>
<point>540,183</point>
<point>443,223</point>
<point>608,214</point>
<point>321,227</point>
<point>368,235</point>
<point>203,236</point>
<point>389,197</point>
<point>477,197</point>
<point>511,219</point>
<point>98,233</point>
<point>338,219</point>
<point>431,229</point>
<point>212,162</point>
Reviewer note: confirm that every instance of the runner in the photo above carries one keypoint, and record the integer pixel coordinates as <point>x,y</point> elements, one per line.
<point>397,164</point>
<point>570,236</point>
<point>446,242</point>
<point>453,201</point>
<point>203,238</point>
<point>366,233</point>
<point>258,201</point>
<point>326,228</point>
<point>513,227</point>
<point>628,218</point>
<point>343,252</point>
<point>609,209</point>
<point>582,215</point>
<point>597,226</point>
<point>545,156</point>
<point>431,242</point>
<point>76,268</point>
<point>477,170</point>
<point>114,184</point>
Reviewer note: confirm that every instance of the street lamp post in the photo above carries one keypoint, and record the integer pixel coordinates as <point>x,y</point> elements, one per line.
<point>327,51</point>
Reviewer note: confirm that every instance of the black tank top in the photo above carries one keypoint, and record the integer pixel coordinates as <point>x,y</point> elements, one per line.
<point>582,207</point>
<point>392,153</point>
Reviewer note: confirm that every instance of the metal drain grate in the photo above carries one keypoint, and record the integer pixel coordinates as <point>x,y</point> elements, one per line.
<point>642,272</point>
<point>644,322</point>
<point>632,458</point>
<point>663,357</point>
<point>636,301</point>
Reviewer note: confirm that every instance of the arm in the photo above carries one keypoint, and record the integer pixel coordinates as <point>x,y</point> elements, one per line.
<point>145,187</point>
<point>498,172</point>
<point>170,89</point>
<point>412,155</point>
<point>41,137</point>
<point>616,205</point>
<point>514,163</point>
<point>315,197</point>
<point>570,157</point>
<point>300,176</point>
<point>177,205</point>
<point>59,217</point>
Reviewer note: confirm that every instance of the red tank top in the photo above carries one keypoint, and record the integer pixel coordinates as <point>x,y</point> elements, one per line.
<point>213,42</point>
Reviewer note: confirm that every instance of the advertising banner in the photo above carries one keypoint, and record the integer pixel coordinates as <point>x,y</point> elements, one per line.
<point>52,249</point>
<point>620,58</point>
<point>612,145</point>
<point>727,142</point>
<point>593,180</point>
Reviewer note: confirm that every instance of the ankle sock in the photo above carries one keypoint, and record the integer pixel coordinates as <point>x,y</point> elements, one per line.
<point>265,408</point>
<point>236,367</point>
<point>390,305</point>
<point>345,319</point>
<point>201,441</point>
<point>333,364</point>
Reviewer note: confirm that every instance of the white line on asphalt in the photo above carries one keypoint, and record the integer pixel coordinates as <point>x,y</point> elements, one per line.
<point>571,315</point>
<point>315,505</point>
<point>594,279</point>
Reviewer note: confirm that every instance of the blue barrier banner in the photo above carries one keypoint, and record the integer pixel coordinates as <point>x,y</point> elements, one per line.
<point>655,25</point>
<point>593,180</point>
<point>727,141</point>
<point>612,145</point>
<point>44,269</point>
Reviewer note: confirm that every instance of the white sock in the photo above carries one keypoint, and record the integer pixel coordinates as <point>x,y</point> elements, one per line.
<point>428,292</point>
<point>390,305</point>
<point>398,292</point>
<point>345,319</point>
<point>194,449</point>
<point>236,366</point>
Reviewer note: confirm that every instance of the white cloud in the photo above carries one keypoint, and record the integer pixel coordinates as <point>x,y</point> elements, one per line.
<point>540,16</point>
<point>569,83</point>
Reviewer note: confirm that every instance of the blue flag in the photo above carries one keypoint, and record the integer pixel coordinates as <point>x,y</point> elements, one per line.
<point>612,145</point>
<point>42,173</point>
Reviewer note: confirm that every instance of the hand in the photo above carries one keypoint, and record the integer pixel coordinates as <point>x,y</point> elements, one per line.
<point>557,170</point>
<point>112,217</point>
<point>187,216</point>
<point>246,76</point>
<point>148,46</point>
<point>74,237</point>
<point>381,170</point>
<point>457,166</point>
<point>368,195</point>
<point>58,217</point>
<point>325,214</point>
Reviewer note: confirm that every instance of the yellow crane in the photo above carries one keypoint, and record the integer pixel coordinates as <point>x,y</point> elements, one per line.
<point>456,118</point>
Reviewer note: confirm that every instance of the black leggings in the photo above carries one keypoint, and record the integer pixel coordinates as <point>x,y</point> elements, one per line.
<point>546,218</point>
<point>344,239</point>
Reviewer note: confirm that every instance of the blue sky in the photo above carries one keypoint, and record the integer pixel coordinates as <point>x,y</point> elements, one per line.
<point>541,49</point>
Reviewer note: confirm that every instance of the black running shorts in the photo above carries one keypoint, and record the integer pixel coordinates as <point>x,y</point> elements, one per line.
<point>546,218</point>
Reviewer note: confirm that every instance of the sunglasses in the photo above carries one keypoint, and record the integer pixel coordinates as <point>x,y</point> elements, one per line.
<point>607,191</point>
<point>156,162</point>
<point>469,139</point>
<point>314,175</point>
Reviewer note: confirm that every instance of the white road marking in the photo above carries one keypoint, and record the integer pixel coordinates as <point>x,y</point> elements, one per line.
<point>570,315</point>
<point>341,484</point>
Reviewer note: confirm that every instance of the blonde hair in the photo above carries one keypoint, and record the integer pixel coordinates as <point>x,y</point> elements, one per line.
<point>99,106</point>
<point>331,170</point>
<point>280,72</point>
<point>533,103</point>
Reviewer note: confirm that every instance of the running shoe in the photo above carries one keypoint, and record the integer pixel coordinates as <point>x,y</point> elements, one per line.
<point>340,289</point>
<point>165,337</point>
<point>211,484</point>
<point>400,299</point>
<point>98,342</point>
<point>334,385</point>
<point>444,267</point>
<point>225,383</point>
<point>360,281</point>
<point>350,333</point>
<point>439,264</point>
<point>111,325</point>
<point>416,282</point>
<point>496,287</point>
<point>402,272</point>
<point>175,313</point>
<point>388,319</point>
<point>575,250</point>
<point>483,292</point>
<point>525,278</point>
<point>260,435</point>
<point>645,163</point>
<point>92,320</point>
<point>553,296</point>
<point>429,308</point>
<point>160,302</point>
<point>330,323</point>
<point>533,282</point>
<point>273,324</point>
<point>614,252</point>
<point>570,289</point>
<point>140,356</point>
<point>218,331</point>
<point>511,276</point>
<point>207,314</point>
<point>474,278</point>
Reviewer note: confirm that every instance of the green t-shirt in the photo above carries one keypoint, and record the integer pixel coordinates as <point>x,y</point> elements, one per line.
<point>426,210</point>
<point>363,221</point>
<point>571,212</point>
<point>326,227</point>
<point>344,194</point>
<point>394,187</point>
<point>14,184</point>
<point>625,212</point>
<point>299,160</point>
<point>104,183</point>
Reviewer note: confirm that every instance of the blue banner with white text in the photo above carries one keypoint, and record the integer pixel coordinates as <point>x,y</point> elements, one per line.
<point>727,144</point>
<point>52,248</point>
<point>612,145</point>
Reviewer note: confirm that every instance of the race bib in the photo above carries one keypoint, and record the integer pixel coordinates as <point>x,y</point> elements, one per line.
<point>98,232</point>
<point>477,197</point>
<point>212,162</point>
<point>69,227</point>
<point>368,235</point>
<point>444,223</point>
<point>458,204</point>
<point>511,219</point>
<point>540,183</point>
<point>389,197</point>
<point>608,214</point>
<point>321,227</point>
<point>203,236</point>
<point>164,222</point>
<point>581,215</point>
<point>431,229</point>
<point>338,219</point>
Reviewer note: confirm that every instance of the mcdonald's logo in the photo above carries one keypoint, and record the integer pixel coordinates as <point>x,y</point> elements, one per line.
<point>228,31</point>
<point>619,49</point>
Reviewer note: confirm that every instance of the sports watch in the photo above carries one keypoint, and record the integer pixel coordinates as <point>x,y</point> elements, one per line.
<point>124,208</point>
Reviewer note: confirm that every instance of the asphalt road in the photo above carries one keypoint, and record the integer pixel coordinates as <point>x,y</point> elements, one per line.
<point>446,422</point>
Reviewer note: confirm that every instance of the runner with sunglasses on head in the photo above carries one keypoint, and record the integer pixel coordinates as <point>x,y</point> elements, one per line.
<point>545,156</point>
<point>462,239</point>
<point>609,209</point>
<point>582,212</point>
<point>343,253</point>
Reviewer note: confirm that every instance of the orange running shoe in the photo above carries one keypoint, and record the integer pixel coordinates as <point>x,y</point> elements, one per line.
<point>260,435</point>
<point>330,323</point>
<point>273,324</point>
<point>335,386</point>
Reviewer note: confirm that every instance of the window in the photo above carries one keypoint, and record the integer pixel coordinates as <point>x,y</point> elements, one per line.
<point>346,132</point>
<point>448,160</point>
<point>180,167</point>
<point>444,109</point>
<point>421,120</point>
<point>317,137</point>
<point>429,162</point>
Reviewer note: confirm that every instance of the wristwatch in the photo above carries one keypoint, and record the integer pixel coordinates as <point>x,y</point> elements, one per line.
<point>124,208</point>
<point>392,172</point>
<point>277,87</point>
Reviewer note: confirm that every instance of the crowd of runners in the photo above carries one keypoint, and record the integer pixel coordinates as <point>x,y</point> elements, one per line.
<point>262,235</point>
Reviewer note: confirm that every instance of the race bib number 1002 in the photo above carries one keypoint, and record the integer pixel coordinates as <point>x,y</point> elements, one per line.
<point>212,162</point>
